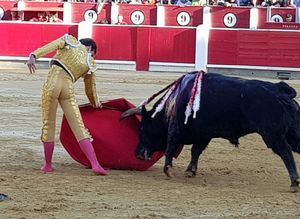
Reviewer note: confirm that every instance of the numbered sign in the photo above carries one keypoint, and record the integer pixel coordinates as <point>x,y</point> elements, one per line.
<point>137,17</point>
<point>230,20</point>
<point>91,15</point>
<point>1,13</point>
<point>277,18</point>
<point>183,18</point>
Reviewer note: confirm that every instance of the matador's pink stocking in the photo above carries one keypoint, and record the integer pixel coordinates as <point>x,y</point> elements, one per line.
<point>87,148</point>
<point>48,152</point>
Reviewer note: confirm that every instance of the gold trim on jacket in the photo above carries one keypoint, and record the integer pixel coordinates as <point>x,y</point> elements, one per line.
<point>71,54</point>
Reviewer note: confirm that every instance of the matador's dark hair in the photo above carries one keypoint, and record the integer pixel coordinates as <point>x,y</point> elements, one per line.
<point>89,42</point>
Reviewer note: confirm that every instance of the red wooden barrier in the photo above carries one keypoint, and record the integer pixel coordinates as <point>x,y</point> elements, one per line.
<point>172,45</point>
<point>281,26</point>
<point>19,39</point>
<point>262,16</point>
<point>144,44</point>
<point>123,43</point>
<point>254,48</point>
<point>171,15</point>
<point>115,42</point>
<point>143,47</point>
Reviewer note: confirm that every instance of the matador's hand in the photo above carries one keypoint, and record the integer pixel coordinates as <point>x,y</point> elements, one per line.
<point>97,105</point>
<point>31,63</point>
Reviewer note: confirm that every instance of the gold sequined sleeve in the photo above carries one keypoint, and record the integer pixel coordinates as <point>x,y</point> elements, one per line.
<point>50,47</point>
<point>90,89</point>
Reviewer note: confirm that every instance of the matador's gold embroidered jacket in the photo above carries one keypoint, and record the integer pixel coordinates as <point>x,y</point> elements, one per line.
<point>75,58</point>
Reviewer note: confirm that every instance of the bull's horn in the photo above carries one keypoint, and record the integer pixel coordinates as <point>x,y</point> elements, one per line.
<point>130,112</point>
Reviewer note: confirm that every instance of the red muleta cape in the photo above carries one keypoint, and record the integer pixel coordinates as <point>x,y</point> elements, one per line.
<point>114,141</point>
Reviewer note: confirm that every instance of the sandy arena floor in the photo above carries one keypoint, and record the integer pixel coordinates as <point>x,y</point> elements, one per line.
<point>248,182</point>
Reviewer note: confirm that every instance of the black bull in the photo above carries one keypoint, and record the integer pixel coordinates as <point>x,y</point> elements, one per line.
<point>230,108</point>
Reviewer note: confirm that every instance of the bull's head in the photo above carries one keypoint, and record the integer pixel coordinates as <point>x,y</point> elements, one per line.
<point>153,135</point>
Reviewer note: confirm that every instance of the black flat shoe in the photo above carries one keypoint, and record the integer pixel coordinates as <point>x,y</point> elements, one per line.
<point>3,197</point>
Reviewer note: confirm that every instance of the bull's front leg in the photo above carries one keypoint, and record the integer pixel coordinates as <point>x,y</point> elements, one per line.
<point>173,144</point>
<point>170,153</point>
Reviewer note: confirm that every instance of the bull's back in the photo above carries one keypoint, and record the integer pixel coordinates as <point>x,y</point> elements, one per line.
<point>231,107</point>
<point>220,112</point>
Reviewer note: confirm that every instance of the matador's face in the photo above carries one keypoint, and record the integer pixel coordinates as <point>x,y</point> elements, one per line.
<point>89,49</point>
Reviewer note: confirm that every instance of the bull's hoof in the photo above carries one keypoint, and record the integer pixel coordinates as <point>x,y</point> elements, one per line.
<point>190,173</point>
<point>168,170</point>
<point>140,157</point>
<point>294,188</point>
<point>295,185</point>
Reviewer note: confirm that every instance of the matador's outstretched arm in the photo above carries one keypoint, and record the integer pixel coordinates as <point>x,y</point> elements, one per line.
<point>50,47</point>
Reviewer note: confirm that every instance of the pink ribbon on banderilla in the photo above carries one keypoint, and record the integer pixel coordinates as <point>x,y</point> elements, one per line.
<point>194,101</point>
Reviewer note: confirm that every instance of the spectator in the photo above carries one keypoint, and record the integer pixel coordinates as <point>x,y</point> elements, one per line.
<point>99,6</point>
<point>153,2</point>
<point>41,17</point>
<point>183,3</point>
<point>230,3</point>
<point>220,2</point>
<point>135,2</point>
<point>288,3</point>
<point>289,18</point>
<point>104,21</point>
<point>275,3</point>
<point>244,2</point>
<point>264,3</point>
<point>199,2</point>
<point>120,20</point>
<point>53,18</point>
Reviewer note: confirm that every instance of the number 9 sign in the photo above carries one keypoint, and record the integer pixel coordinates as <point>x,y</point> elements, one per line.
<point>137,17</point>
<point>230,20</point>
<point>183,18</point>
<point>276,18</point>
<point>1,13</point>
<point>91,15</point>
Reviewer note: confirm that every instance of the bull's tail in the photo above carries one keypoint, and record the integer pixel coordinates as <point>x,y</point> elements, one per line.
<point>293,134</point>
<point>293,138</point>
<point>285,90</point>
<point>286,95</point>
